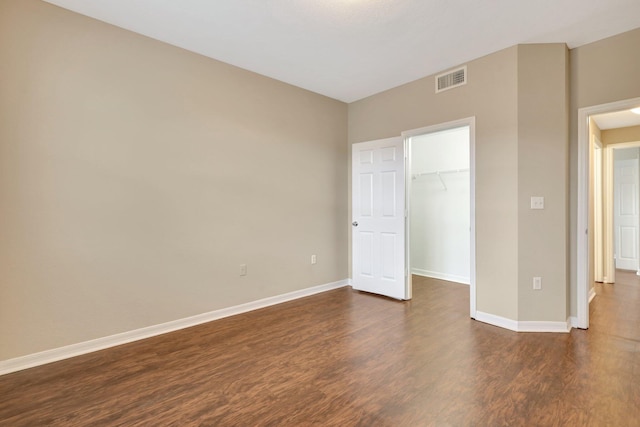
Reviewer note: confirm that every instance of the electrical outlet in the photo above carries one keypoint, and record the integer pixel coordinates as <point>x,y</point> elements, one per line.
<point>313,259</point>
<point>537,202</point>
<point>537,283</point>
<point>243,269</point>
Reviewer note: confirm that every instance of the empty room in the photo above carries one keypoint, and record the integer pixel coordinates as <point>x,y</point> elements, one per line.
<point>337,213</point>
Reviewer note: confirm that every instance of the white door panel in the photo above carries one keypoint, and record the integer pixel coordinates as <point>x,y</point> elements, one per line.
<point>378,227</point>
<point>627,243</point>
<point>626,214</point>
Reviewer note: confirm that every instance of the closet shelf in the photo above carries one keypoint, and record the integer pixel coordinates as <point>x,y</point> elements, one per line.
<point>418,175</point>
<point>439,175</point>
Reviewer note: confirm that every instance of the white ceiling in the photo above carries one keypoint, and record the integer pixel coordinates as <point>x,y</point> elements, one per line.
<point>618,119</point>
<point>350,49</point>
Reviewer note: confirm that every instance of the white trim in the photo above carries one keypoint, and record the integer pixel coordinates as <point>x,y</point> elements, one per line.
<point>442,276</point>
<point>609,261</point>
<point>623,145</point>
<point>439,127</point>
<point>592,294</point>
<point>494,320</point>
<point>408,182</point>
<point>582,262</point>
<point>598,205</point>
<point>573,321</point>
<point>471,122</point>
<point>66,352</point>
<point>534,326</point>
<point>524,326</point>
<point>472,173</point>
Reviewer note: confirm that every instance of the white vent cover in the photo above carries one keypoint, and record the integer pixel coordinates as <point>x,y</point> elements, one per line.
<point>451,79</point>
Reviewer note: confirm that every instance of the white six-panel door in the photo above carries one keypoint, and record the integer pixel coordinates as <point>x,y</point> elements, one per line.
<point>378,220</point>
<point>626,213</point>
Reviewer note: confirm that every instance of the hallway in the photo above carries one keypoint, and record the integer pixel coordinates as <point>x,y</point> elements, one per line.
<point>615,311</point>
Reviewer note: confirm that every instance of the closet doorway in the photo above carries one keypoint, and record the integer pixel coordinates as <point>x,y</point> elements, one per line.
<point>440,201</point>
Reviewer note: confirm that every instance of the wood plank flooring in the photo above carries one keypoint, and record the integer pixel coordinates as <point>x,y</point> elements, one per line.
<point>345,358</point>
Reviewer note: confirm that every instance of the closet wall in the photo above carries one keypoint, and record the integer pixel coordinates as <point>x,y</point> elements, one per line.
<point>440,205</point>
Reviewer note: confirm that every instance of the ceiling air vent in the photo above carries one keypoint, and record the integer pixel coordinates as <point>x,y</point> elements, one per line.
<point>451,79</point>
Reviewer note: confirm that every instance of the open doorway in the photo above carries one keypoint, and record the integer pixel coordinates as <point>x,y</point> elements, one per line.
<point>440,194</point>
<point>440,212</point>
<point>593,122</point>
<point>626,217</point>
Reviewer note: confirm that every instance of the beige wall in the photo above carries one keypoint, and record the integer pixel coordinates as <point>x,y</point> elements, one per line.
<point>491,96</point>
<point>620,135</point>
<point>519,97</point>
<point>136,177</point>
<point>543,113</point>
<point>594,130</point>
<point>601,72</point>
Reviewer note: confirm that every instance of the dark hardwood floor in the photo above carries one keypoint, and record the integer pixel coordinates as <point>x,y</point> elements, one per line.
<point>344,358</point>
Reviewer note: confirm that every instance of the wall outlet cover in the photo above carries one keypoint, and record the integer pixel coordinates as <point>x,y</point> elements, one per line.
<point>537,202</point>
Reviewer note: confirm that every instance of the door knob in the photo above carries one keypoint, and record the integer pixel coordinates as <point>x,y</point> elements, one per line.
<point>354,223</point>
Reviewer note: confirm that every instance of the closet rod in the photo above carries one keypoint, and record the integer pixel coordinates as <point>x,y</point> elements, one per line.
<point>419,174</point>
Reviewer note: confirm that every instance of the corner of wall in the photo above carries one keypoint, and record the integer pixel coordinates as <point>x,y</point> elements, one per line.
<point>542,172</point>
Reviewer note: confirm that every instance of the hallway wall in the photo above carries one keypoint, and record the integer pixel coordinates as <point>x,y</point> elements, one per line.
<point>601,72</point>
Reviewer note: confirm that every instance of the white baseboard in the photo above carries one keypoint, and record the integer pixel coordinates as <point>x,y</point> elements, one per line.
<point>494,320</point>
<point>573,320</point>
<point>66,352</point>
<point>523,326</point>
<point>441,276</point>
<point>544,326</point>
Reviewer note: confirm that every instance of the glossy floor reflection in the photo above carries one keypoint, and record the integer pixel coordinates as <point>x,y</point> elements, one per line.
<point>345,358</point>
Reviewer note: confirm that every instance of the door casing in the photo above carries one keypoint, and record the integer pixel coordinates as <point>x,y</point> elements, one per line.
<point>598,213</point>
<point>471,123</point>
<point>582,223</point>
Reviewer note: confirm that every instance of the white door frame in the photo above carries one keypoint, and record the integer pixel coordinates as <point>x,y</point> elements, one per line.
<point>608,272</point>
<point>471,122</point>
<point>582,232</point>
<point>598,214</point>
<point>609,268</point>
<point>611,148</point>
